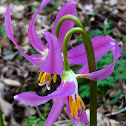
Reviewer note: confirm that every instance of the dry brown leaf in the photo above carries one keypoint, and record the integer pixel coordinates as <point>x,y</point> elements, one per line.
<point>113,2</point>
<point>11,82</point>
<point>103,121</point>
<point>6,107</point>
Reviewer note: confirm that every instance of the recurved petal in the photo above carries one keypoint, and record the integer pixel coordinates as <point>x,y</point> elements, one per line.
<point>83,117</point>
<point>53,63</point>
<point>101,46</point>
<point>55,111</point>
<point>107,71</point>
<point>32,34</point>
<point>35,59</point>
<point>68,8</point>
<point>73,119</point>
<point>84,69</point>
<point>30,98</point>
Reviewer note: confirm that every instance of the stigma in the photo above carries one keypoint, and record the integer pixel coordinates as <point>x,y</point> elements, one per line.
<point>45,78</point>
<point>76,105</point>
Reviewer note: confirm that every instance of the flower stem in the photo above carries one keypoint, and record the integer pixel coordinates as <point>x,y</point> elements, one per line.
<point>90,57</point>
<point>67,17</point>
<point>92,68</point>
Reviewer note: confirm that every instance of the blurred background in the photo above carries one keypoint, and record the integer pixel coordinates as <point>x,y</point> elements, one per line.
<point>99,17</point>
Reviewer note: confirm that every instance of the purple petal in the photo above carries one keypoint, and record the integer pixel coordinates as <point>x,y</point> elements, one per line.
<point>83,117</point>
<point>73,119</point>
<point>55,111</point>
<point>53,62</point>
<point>35,59</point>
<point>107,71</point>
<point>68,8</point>
<point>45,2</point>
<point>32,34</point>
<point>101,46</point>
<point>30,98</point>
<point>84,69</point>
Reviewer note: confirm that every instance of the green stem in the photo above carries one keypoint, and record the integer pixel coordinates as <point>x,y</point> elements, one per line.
<point>90,57</point>
<point>92,68</point>
<point>67,17</point>
<point>1,118</point>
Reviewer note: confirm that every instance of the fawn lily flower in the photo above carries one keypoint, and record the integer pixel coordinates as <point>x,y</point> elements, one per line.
<point>66,93</point>
<point>50,57</point>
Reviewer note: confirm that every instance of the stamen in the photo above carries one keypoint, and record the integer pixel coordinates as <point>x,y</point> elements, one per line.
<point>40,75</point>
<point>49,80</point>
<point>73,104</point>
<point>47,86</point>
<point>43,78</point>
<point>78,102</point>
<point>76,105</point>
<point>81,76</point>
<point>47,77</point>
<point>82,105</point>
<point>70,100</point>
<point>41,84</point>
<point>54,78</point>
<point>76,112</point>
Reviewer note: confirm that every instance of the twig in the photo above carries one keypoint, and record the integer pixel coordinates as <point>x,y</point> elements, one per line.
<point>115,113</point>
<point>63,121</point>
<point>63,116</point>
<point>39,113</point>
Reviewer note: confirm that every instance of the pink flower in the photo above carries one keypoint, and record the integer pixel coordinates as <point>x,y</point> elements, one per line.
<point>51,61</point>
<point>66,93</point>
<point>50,57</point>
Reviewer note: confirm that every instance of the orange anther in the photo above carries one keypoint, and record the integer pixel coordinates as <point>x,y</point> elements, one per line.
<point>76,111</point>
<point>78,102</point>
<point>73,104</point>
<point>49,78</point>
<point>54,78</point>
<point>70,100</point>
<point>40,75</point>
<point>43,79</point>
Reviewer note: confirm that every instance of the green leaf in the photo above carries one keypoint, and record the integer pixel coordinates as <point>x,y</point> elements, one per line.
<point>84,91</point>
<point>32,117</point>
<point>96,32</point>
<point>107,26</point>
<point>117,96</point>
<point>2,31</point>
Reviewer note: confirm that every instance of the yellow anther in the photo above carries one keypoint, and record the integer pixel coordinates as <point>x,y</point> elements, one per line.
<point>81,76</point>
<point>78,102</point>
<point>76,111</point>
<point>82,105</point>
<point>76,105</point>
<point>40,75</point>
<point>54,78</point>
<point>49,78</point>
<point>73,104</point>
<point>43,79</point>
<point>70,100</point>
